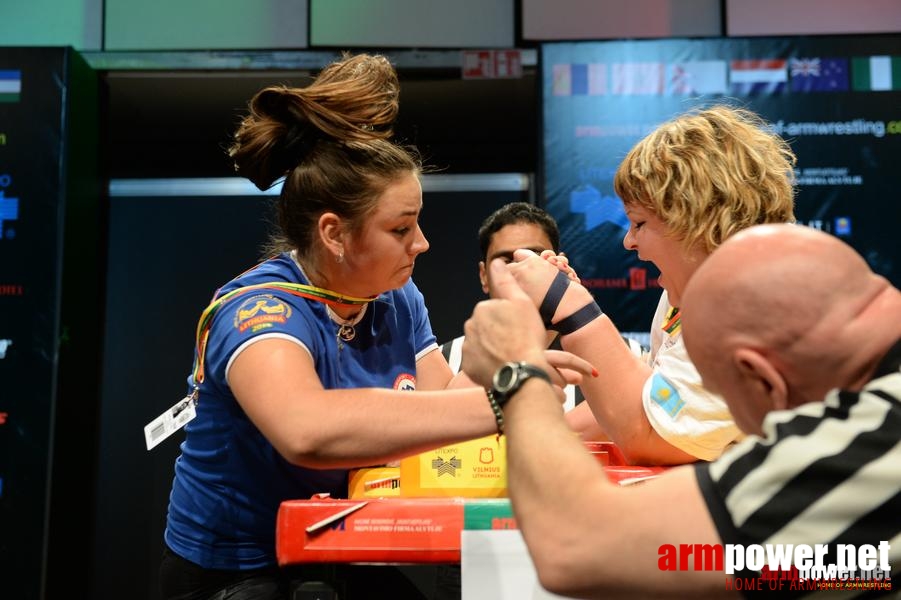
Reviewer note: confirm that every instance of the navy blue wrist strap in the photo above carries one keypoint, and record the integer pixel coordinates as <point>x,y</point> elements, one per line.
<point>578,319</point>
<point>552,298</point>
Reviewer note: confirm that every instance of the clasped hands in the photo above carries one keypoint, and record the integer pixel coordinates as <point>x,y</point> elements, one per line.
<point>508,327</point>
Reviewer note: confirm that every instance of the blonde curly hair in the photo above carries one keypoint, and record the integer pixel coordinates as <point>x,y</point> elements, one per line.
<point>710,173</point>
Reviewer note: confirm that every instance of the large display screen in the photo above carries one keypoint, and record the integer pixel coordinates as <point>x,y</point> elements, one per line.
<point>33,85</point>
<point>837,100</point>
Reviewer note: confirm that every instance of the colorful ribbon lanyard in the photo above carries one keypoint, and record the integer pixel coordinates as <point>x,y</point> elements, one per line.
<point>295,289</point>
<point>672,323</point>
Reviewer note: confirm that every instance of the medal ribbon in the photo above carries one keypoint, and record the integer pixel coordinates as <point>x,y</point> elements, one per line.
<point>672,323</point>
<point>295,289</point>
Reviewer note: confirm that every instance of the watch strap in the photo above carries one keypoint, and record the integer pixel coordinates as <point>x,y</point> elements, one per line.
<point>498,413</point>
<point>523,371</point>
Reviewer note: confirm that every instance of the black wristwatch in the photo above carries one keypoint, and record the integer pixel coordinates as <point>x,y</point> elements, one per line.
<point>510,377</point>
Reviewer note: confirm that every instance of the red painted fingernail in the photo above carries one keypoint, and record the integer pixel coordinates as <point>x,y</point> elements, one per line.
<point>594,372</point>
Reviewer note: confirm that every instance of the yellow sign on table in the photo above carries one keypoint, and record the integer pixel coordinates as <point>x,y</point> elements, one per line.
<point>477,468</point>
<point>374,482</point>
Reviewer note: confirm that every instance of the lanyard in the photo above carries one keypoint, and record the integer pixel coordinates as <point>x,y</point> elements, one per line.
<point>295,289</point>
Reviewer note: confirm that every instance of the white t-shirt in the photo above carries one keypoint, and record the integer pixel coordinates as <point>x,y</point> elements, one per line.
<point>678,407</point>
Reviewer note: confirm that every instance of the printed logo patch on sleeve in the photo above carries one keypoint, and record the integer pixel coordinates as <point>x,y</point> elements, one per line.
<point>666,395</point>
<point>405,382</point>
<point>261,312</point>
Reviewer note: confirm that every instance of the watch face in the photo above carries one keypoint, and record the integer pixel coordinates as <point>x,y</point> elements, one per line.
<point>504,377</point>
<point>510,377</point>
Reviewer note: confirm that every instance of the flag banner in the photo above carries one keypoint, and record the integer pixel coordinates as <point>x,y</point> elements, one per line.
<point>563,84</point>
<point>818,74</point>
<point>876,73</point>
<point>750,77</point>
<point>580,79</point>
<point>578,75</point>
<point>597,79</point>
<point>698,77</point>
<point>641,78</point>
<point>10,86</point>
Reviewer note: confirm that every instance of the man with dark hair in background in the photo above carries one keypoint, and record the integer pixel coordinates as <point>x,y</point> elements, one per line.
<point>511,227</point>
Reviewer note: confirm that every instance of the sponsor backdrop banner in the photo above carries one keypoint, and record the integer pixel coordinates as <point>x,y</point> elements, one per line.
<point>837,100</point>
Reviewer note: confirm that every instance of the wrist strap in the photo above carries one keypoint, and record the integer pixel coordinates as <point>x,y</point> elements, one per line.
<point>498,413</point>
<point>553,297</point>
<point>573,322</point>
<point>578,319</point>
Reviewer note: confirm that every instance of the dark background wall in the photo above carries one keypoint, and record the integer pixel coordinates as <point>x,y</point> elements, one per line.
<point>176,124</point>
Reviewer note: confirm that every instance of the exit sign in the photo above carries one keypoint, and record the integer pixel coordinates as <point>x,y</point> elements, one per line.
<point>492,64</point>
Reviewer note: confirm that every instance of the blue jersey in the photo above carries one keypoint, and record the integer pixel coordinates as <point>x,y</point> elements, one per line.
<point>229,480</point>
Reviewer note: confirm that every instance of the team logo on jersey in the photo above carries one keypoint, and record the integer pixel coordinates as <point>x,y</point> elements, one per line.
<point>261,312</point>
<point>666,395</point>
<point>405,382</point>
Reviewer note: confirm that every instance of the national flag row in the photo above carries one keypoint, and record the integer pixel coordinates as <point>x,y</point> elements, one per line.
<point>740,77</point>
